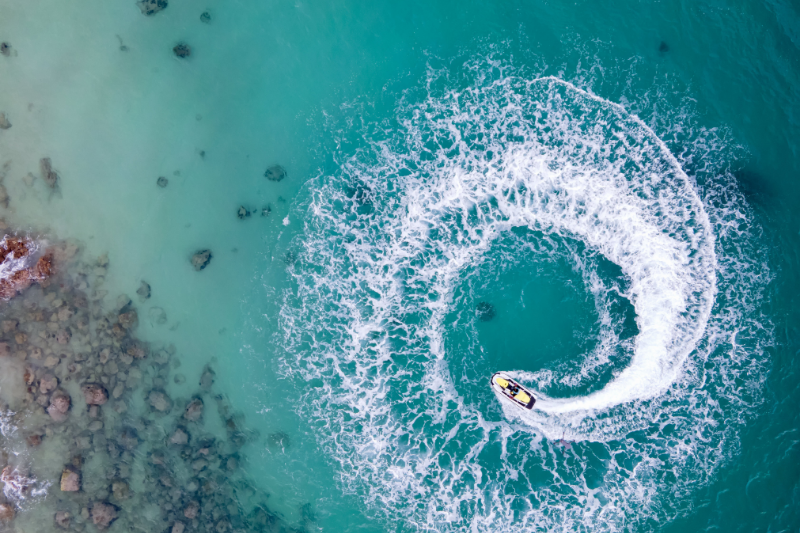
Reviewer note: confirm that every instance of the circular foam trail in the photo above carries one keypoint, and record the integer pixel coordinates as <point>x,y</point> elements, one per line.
<point>388,237</point>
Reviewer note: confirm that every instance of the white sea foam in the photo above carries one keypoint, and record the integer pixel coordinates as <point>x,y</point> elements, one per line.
<point>388,239</point>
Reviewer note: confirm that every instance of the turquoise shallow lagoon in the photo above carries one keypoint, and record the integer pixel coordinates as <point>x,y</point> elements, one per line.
<point>599,199</point>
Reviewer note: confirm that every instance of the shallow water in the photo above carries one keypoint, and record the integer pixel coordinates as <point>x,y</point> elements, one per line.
<point>616,183</point>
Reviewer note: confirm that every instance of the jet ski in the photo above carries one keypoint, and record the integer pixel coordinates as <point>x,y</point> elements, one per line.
<point>509,389</point>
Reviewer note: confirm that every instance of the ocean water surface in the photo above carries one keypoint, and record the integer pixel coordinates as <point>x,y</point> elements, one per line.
<point>400,199</point>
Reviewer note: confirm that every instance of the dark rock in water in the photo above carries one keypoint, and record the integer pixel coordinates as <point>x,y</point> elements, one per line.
<point>205,17</point>
<point>178,527</point>
<point>103,514</point>
<point>128,439</point>
<point>49,175</point>
<point>4,123</point>
<point>201,259</point>
<point>151,7</point>
<point>485,311</point>
<point>95,394</point>
<point>242,212</point>
<point>663,47</point>
<point>194,410</point>
<point>5,49</point>
<point>191,510</point>
<point>275,173</point>
<point>207,379</point>
<point>162,182</point>
<point>182,50</point>
<point>144,290</point>
<point>62,519</point>
<point>265,211</point>
<point>70,480</point>
<point>34,440</point>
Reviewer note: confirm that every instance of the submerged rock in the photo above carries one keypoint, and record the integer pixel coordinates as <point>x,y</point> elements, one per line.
<point>178,527</point>
<point>194,410</point>
<point>265,211</point>
<point>151,7</point>
<point>120,490</point>
<point>162,182</point>
<point>663,47</point>
<point>242,212</point>
<point>179,437</point>
<point>159,401</point>
<point>49,175</point>
<point>485,311</point>
<point>103,514</point>
<point>182,50</point>
<point>275,173</point>
<point>4,123</point>
<point>205,17</point>
<point>207,378</point>
<point>62,519</point>
<point>201,259</point>
<point>70,480</point>
<point>59,406</point>
<point>5,49</point>
<point>95,394</point>
<point>144,290</point>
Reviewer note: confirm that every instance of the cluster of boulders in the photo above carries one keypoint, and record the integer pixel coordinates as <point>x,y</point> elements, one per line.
<point>98,395</point>
<point>19,271</point>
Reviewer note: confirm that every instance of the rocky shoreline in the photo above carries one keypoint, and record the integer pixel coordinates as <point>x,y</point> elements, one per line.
<point>90,434</point>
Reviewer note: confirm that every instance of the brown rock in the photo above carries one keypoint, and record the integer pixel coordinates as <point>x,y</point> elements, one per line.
<point>62,519</point>
<point>7,512</point>
<point>34,440</point>
<point>59,406</point>
<point>128,320</point>
<point>5,349</point>
<point>48,384</point>
<point>103,514</point>
<point>95,394</point>
<point>120,490</point>
<point>70,480</point>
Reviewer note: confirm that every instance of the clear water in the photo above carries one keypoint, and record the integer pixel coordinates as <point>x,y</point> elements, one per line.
<point>616,181</point>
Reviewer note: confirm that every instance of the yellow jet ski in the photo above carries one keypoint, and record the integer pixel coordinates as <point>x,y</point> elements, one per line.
<point>511,390</point>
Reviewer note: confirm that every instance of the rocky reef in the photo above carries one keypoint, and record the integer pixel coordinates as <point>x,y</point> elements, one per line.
<point>80,386</point>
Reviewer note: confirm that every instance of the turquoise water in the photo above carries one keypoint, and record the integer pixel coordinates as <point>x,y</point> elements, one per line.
<point>617,182</point>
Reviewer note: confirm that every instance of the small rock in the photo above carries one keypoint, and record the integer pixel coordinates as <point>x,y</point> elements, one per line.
<point>179,437</point>
<point>179,378</point>
<point>51,361</point>
<point>191,510</point>
<point>159,401</point>
<point>485,311</point>
<point>70,481</point>
<point>205,17</point>
<point>4,123</point>
<point>265,211</point>
<point>48,384</point>
<point>120,490</point>
<point>5,49</point>
<point>207,378</point>
<point>97,425</point>
<point>182,50</point>
<point>194,410</point>
<point>119,390</point>
<point>144,290</point>
<point>95,394</point>
<point>49,175</point>
<point>151,7</point>
<point>128,439</point>
<point>201,259</point>
<point>663,47</point>
<point>275,173</point>
<point>162,182</point>
<point>178,527</point>
<point>128,320</point>
<point>157,315</point>
<point>34,440</point>
<point>242,212</point>
<point>62,519</point>
<point>103,514</point>
<point>59,406</point>
<point>6,509</point>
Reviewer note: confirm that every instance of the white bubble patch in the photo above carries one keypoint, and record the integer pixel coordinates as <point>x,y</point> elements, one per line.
<point>388,238</point>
